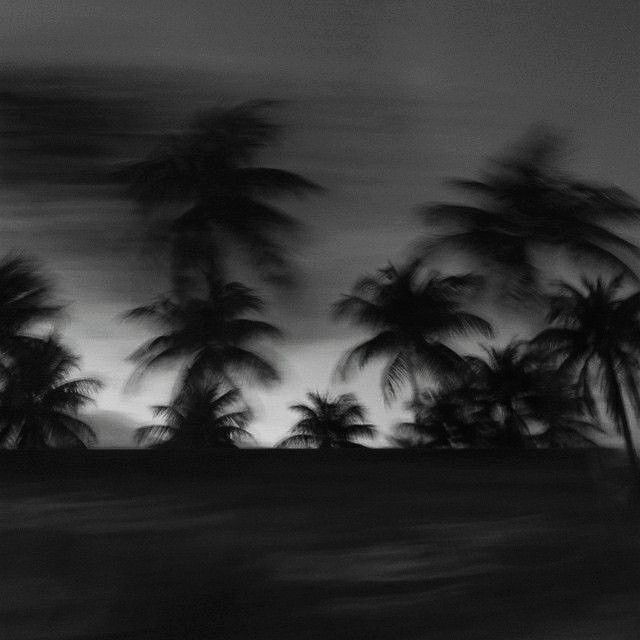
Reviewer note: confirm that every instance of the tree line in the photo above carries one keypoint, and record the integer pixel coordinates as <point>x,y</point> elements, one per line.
<point>554,389</point>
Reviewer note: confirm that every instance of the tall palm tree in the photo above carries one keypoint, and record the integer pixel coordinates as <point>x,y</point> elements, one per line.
<point>207,171</point>
<point>327,422</point>
<point>411,319</point>
<point>25,298</point>
<point>214,335</point>
<point>596,338</point>
<point>516,399</point>
<point>38,402</point>
<point>525,205</point>
<point>205,413</point>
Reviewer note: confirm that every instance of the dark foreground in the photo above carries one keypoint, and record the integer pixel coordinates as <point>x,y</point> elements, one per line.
<point>314,545</point>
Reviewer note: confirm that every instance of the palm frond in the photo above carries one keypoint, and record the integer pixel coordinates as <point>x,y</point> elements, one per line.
<point>155,433</point>
<point>359,430</point>
<point>395,375</point>
<point>299,441</point>
<point>67,430</point>
<point>381,345</point>
<point>269,182</point>
<point>73,394</point>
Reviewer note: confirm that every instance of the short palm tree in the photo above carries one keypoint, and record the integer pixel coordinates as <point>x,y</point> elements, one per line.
<point>25,297</point>
<point>204,413</point>
<point>525,205</point>
<point>411,319</point>
<point>213,335</point>
<point>596,338</point>
<point>327,422</point>
<point>442,419</point>
<point>520,400</point>
<point>39,404</point>
<point>207,171</point>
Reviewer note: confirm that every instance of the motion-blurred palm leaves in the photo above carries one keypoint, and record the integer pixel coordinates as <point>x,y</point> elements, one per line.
<point>524,204</point>
<point>223,200</point>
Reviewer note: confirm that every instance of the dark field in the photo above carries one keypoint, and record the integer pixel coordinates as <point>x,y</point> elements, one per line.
<point>313,545</point>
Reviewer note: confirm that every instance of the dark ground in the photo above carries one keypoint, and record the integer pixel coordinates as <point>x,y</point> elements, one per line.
<point>311,545</point>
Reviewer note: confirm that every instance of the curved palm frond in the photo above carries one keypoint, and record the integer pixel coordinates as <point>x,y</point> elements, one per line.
<point>299,441</point>
<point>25,296</point>
<point>328,422</point>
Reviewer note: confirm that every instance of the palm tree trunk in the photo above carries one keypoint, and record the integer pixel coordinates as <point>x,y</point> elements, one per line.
<point>413,381</point>
<point>623,420</point>
<point>518,428</point>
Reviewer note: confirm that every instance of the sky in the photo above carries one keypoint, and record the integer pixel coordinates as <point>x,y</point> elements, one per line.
<point>385,100</point>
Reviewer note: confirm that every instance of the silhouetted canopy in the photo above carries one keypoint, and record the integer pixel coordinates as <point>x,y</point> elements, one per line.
<point>510,398</point>
<point>519,399</point>
<point>412,319</point>
<point>327,422</point>
<point>205,413</point>
<point>525,204</point>
<point>38,402</point>
<point>25,297</point>
<point>215,335</point>
<point>596,339</point>
<point>207,171</point>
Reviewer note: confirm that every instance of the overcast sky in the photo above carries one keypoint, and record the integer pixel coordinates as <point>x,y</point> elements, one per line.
<point>387,100</point>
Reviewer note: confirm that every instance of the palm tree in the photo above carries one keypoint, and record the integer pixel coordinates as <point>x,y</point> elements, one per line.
<point>329,423</point>
<point>214,335</point>
<point>596,338</point>
<point>518,399</point>
<point>525,205</point>
<point>411,319</point>
<point>205,413</point>
<point>442,419</point>
<point>25,298</point>
<point>207,171</point>
<point>38,402</point>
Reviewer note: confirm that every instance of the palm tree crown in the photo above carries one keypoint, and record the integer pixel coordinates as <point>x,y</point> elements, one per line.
<point>329,423</point>
<point>205,413</point>
<point>214,334</point>
<point>25,297</point>
<point>526,205</point>
<point>38,402</point>
<point>442,419</point>
<point>207,169</point>
<point>412,319</point>
<point>516,398</point>
<point>596,338</point>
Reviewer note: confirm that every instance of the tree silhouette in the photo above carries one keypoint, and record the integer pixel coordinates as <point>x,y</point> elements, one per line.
<point>524,205</point>
<point>328,423</point>
<point>207,171</point>
<point>412,319</point>
<point>38,401</point>
<point>443,419</point>
<point>205,413</point>
<point>213,335</point>
<point>25,298</point>
<point>516,399</point>
<point>596,338</point>
<point>511,398</point>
